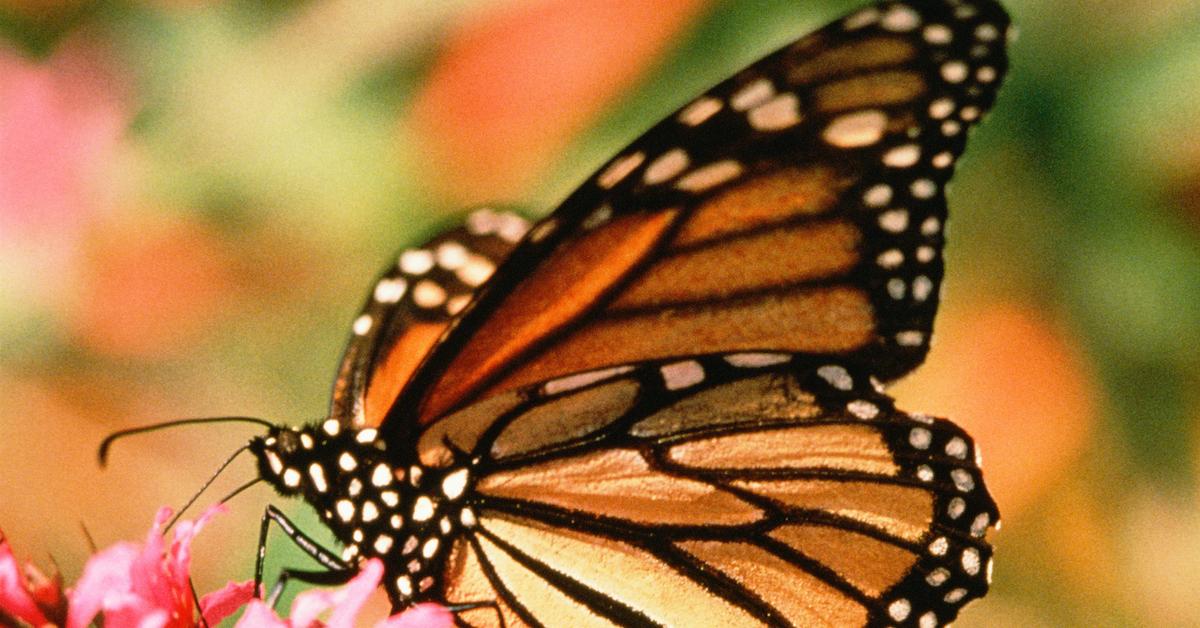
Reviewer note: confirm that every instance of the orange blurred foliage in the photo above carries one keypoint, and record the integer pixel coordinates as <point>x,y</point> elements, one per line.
<point>512,87</point>
<point>1020,387</point>
<point>146,290</point>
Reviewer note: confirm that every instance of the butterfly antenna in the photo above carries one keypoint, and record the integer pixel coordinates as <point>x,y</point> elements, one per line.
<point>238,491</point>
<point>207,483</point>
<point>111,438</point>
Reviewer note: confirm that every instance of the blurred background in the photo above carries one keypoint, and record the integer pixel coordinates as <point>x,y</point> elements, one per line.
<point>196,194</point>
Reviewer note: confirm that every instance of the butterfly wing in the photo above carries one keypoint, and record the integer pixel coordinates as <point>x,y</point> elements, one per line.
<point>724,490</point>
<point>411,305</point>
<point>796,207</point>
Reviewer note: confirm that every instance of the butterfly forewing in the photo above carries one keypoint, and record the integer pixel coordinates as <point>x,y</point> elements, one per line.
<point>739,489</point>
<point>796,207</point>
<point>411,305</point>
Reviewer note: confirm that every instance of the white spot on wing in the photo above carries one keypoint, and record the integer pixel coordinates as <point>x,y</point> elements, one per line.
<point>702,109</point>
<point>924,188</point>
<point>890,259</point>
<point>855,130</point>
<point>970,561</point>
<point>905,156</point>
<point>922,286</point>
<point>941,108</point>
<point>416,261</point>
<point>777,114</point>
<point>900,19</point>
<point>390,290</point>
<point>682,374</point>
<point>862,409</point>
<point>756,360</point>
<point>620,169</point>
<point>954,71</point>
<point>476,271</point>
<point>363,324</point>
<point>666,167</point>
<point>511,227</point>
<point>451,255</point>
<point>878,195</point>
<point>454,484</point>
<point>752,95</point>
<point>862,19</point>
<point>894,221</point>
<point>428,294</point>
<point>836,376</point>
<point>712,175</point>
<point>571,382</point>
<point>938,34</point>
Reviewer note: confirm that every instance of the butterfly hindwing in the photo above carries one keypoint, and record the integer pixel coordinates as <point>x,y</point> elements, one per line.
<point>795,207</point>
<point>742,489</point>
<point>411,305</point>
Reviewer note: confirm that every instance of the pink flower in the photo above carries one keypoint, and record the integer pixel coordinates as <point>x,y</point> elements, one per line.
<point>147,585</point>
<point>28,595</point>
<point>343,606</point>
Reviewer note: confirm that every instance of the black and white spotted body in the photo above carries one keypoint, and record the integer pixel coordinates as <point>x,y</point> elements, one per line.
<point>404,515</point>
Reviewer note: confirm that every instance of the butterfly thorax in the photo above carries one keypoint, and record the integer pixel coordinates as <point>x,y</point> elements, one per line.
<point>377,503</point>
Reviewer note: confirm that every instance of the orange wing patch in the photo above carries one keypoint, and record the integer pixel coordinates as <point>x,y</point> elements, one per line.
<point>620,483</point>
<point>397,366</point>
<point>563,288</point>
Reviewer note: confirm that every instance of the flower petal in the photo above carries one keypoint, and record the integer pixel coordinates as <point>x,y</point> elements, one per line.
<point>345,602</point>
<point>225,601</point>
<point>259,615</point>
<point>15,598</point>
<point>106,575</point>
<point>355,594</point>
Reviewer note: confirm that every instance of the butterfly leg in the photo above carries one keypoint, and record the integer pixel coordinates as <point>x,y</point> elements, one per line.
<point>332,563</point>
<point>321,577</point>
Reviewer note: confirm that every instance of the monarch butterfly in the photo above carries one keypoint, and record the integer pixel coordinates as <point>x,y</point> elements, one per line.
<point>663,404</point>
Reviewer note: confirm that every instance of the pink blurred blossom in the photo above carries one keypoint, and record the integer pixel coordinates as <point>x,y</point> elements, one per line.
<point>60,121</point>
